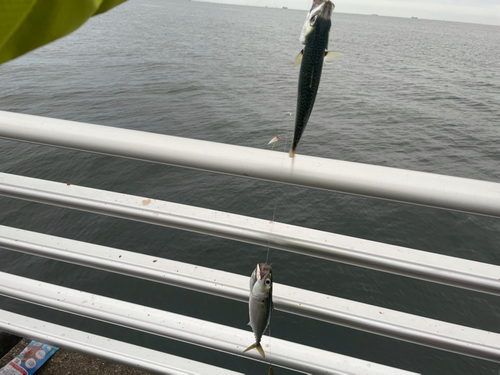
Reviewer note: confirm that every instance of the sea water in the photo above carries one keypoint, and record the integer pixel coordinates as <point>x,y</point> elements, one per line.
<point>415,94</point>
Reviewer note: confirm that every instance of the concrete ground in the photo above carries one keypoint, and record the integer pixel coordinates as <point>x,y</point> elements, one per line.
<point>63,362</point>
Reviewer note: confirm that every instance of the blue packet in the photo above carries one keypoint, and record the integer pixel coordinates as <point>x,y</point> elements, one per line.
<point>30,359</point>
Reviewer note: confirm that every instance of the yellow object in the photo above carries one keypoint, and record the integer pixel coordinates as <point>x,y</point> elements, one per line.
<point>256,346</point>
<point>29,24</point>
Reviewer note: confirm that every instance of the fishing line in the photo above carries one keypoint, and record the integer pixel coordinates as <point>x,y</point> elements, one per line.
<point>277,199</point>
<point>278,192</point>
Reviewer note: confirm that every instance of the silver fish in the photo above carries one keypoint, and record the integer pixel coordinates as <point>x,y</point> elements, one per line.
<point>260,303</point>
<point>314,36</point>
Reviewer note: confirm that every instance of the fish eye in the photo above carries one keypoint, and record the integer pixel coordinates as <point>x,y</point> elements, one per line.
<point>268,282</point>
<point>313,20</point>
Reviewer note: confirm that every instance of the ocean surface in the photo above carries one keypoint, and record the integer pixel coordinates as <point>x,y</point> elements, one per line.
<point>408,93</point>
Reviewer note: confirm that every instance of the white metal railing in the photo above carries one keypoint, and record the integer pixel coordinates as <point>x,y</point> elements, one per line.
<point>446,192</point>
<point>395,259</point>
<point>183,328</point>
<point>453,193</point>
<point>103,347</point>
<point>374,319</point>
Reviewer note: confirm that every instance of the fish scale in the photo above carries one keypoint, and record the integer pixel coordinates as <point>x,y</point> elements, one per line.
<point>260,303</point>
<point>316,43</point>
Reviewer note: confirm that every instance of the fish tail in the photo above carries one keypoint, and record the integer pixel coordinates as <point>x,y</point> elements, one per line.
<point>256,346</point>
<point>261,351</point>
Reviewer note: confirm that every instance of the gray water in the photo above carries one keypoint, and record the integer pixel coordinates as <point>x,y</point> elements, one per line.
<point>416,94</point>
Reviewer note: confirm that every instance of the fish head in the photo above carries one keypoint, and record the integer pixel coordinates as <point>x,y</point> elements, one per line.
<point>264,274</point>
<point>317,20</point>
<point>261,281</point>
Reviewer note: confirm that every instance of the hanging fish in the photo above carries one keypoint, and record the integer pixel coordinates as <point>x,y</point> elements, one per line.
<point>314,36</point>
<point>260,303</point>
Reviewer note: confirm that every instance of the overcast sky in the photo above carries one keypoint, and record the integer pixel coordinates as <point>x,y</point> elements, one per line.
<point>474,11</point>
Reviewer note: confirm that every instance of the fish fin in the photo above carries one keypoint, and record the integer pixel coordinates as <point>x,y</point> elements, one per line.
<point>331,56</point>
<point>256,346</point>
<point>250,347</point>
<point>298,60</point>
<point>249,324</point>
<point>261,351</point>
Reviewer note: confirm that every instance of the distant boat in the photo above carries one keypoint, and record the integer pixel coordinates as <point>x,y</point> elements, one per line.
<point>415,18</point>
<point>374,14</point>
<point>285,8</point>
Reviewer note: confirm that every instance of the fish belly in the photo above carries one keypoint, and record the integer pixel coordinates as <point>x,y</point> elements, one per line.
<point>259,317</point>
<point>309,78</point>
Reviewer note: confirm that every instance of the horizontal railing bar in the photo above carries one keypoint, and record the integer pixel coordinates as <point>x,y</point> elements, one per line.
<point>447,192</point>
<point>388,258</point>
<point>102,347</point>
<point>373,319</point>
<point>182,328</point>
